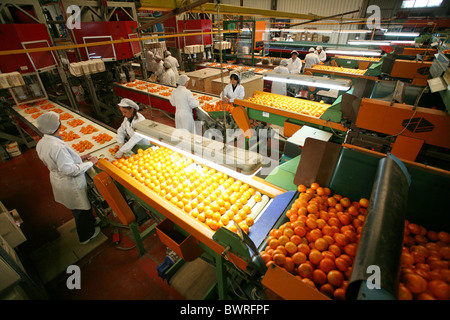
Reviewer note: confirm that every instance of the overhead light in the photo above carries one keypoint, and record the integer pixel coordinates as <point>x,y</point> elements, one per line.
<point>369,42</point>
<point>355,31</point>
<point>305,80</point>
<point>402,34</point>
<point>347,52</point>
<point>402,42</point>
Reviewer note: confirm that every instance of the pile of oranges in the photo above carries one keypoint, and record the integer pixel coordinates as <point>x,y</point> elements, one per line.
<point>102,138</point>
<point>69,136</point>
<point>88,129</point>
<point>32,110</point>
<point>308,108</point>
<point>36,115</point>
<point>75,122</point>
<point>424,269</point>
<point>65,116</point>
<point>62,127</point>
<point>319,243</point>
<point>208,107</point>
<point>204,194</point>
<point>339,69</point>
<point>114,150</point>
<point>359,58</point>
<point>82,145</point>
<point>58,110</point>
<point>46,106</point>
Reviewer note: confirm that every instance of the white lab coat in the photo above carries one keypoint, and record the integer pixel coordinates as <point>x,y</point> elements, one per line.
<point>311,59</point>
<point>175,65</point>
<point>126,132</point>
<point>294,66</point>
<point>322,55</point>
<point>168,78</point>
<point>158,69</point>
<point>238,93</point>
<point>67,172</point>
<point>183,100</point>
<point>279,87</point>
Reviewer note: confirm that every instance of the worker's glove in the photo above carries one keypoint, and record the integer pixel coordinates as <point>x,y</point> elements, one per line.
<point>118,154</point>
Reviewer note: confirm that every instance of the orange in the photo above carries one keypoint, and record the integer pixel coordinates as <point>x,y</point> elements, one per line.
<point>291,247</point>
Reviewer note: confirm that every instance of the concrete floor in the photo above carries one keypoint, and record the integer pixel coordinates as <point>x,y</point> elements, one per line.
<point>110,271</point>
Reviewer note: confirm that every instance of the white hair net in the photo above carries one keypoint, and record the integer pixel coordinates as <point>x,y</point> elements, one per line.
<point>127,103</point>
<point>48,123</point>
<point>182,80</point>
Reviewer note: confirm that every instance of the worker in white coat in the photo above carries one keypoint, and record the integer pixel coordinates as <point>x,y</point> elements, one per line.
<point>126,138</point>
<point>311,58</point>
<point>233,90</point>
<point>279,87</point>
<point>173,61</point>
<point>67,175</point>
<point>149,61</point>
<point>322,54</point>
<point>294,64</point>
<point>158,68</point>
<point>184,102</point>
<point>168,77</point>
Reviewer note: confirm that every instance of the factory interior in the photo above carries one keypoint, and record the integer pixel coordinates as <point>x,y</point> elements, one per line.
<point>232,150</point>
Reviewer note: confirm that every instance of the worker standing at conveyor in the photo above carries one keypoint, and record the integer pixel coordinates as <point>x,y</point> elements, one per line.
<point>184,102</point>
<point>173,61</point>
<point>158,68</point>
<point>322,54</point>
<point>279,87</point>
<point>67,177</point>
<point>168,77</point>
<point>126,137</point>
<point>294,64</point>
<point>233,90</point>
<point>311,58</point>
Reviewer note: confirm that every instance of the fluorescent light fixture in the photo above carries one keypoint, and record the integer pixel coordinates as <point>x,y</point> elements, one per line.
<point>321,82</point>
<point>402,42</point>
<point>237,175</point>
<point>355,31</point>
<point>369,42</point>
<point>401,34</point>
<point>347,52</point>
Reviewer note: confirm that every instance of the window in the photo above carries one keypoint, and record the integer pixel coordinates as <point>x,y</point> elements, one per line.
<point>421,3</point>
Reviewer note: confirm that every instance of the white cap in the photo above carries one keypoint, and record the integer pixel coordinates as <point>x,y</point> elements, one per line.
<point>158,57</point>
<point>284,62</point>
<point>167,53</point>
<point>127,103</point>
<point>311,49</point>
<point>294,51</point>
<point>182,79</point>
<point>167,64</point>
<point>319,48</point>
<point>237,74</point>
<point>48,123</point>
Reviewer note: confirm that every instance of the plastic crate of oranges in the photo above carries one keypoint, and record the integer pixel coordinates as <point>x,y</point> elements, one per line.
<point>339,69</point>
<point>204,194</point>
<point>309,108</point>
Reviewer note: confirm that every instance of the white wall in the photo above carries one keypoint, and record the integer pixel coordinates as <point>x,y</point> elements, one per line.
<point>317,7</point>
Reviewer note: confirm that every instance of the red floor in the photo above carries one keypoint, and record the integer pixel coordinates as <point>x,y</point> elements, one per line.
<point>108,272</point>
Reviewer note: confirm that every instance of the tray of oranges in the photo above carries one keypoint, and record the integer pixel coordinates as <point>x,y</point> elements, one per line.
<point>204,194</point>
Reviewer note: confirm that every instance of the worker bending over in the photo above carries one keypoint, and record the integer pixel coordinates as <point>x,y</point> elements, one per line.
<point>311,58</point>
<point>127,139</point>
<point>279,87</point>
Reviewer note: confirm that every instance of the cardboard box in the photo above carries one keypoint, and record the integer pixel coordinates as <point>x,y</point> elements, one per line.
<point>10,231</point>
<point>7,274</point>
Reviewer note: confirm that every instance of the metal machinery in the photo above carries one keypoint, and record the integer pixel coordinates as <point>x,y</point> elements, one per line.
<point>105,22</point>
<point>189,50</point>
<point>245,46</point>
